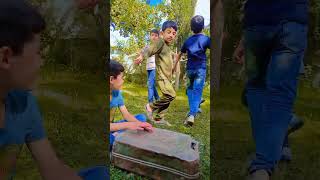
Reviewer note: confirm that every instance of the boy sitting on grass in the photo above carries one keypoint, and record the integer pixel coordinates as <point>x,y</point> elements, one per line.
<point>131,122</point>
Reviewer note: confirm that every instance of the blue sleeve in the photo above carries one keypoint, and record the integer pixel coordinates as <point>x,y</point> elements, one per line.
<point>183,48</point>
<point>36,130</point>
<point>208,43</point>
<point>120,100</point>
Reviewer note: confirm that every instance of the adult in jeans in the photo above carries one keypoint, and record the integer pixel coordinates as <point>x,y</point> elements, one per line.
<point>274,41</point>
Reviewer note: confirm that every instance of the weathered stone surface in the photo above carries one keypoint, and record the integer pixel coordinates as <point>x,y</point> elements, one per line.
<point>162,154</point>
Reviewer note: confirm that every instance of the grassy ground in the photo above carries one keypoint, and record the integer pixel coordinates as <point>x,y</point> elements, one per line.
<point>73,113</point>
<point>233,140</point>
<point>73,108</point>
<point>135,99</point>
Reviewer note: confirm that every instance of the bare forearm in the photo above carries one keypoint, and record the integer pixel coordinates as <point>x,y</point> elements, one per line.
<point>130,118</point>
<point>51,168</point>
<point>119,126</point>
<point>59,171</point>
<point>177,60</point>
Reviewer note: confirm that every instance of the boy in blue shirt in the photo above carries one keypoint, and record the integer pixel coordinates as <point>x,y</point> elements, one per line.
<point>195,46</point>
<point>20,119</point>
<point>131,122</point>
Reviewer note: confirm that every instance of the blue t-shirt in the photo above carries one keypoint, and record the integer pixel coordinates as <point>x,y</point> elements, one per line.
<point>116,102</point>
<point>22,124</point>
<point>271,12</point>
<point>196,46</point>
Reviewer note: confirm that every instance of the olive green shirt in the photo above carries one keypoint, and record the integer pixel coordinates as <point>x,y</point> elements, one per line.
<point>164,60</point>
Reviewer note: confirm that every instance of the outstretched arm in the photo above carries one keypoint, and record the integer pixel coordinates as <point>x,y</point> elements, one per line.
<point>178,57</point>
<point>51,168</point>
<point>153,49</point>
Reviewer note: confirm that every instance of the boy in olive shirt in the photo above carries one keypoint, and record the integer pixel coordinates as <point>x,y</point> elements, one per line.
<point>164,66</point>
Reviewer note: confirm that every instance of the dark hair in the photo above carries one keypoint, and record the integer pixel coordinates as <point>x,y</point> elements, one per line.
<point>197,24</point>
<point>169,24</point>
<point>115,68</point>
<point>154,31</point>
<point>19,21</point>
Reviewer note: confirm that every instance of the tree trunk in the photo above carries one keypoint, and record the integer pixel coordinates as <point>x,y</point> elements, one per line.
<point>177,81</point>
<point>217,17</point>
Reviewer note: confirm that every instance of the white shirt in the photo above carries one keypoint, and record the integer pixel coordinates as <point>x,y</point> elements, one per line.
<point>151,63</point>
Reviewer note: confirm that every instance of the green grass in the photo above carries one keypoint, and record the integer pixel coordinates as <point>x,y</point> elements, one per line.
<point>234,144</point>
<point>73,107</point>
<point>136,97</point>
<point>75,125</point>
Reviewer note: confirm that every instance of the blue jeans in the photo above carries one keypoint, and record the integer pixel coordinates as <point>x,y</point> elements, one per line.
<point>197,79</point>
<point>273,59</point>
<point>140,117</point>
<point>95,173</point>
<point>152,90</point>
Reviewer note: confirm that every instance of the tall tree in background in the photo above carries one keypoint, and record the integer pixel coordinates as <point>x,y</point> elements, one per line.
<point>135,19</point>
<point>181,11</point>
<point>218,24</point>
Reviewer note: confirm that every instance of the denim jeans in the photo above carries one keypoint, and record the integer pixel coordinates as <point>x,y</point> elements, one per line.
<point>273,59</point>
<point>197,79</point>
<point>140,117</point>
<point>95,173</point>
<point>152,90</point>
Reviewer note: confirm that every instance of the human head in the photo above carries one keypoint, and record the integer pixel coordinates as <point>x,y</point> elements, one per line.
<point>154,35</point>
<point>116,75</point>
<point>169,31</point>
<point>197,24</point>
<point>20,59</point>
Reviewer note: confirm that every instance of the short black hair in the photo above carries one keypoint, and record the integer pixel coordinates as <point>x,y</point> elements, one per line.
<point>154,31</point>
<point>169,24</point>
<point>19,21</point>
<point>116,68</point>
<point>197,24</point>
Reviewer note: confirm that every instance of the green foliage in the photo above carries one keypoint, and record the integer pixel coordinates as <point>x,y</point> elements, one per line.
<point>134,19</point>
<point>78,40</point>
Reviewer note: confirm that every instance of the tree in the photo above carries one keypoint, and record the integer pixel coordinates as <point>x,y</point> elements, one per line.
<point>218,24</point>
<point>136,26</point>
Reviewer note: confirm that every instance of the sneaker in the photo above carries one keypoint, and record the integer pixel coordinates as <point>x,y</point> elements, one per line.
<point>286,154</point>
<point>160,121</point>
<point>295,124</point>
<point>149,113</point>
<point>189,121</point>
<point>259,175</point>
<point>202,101</point>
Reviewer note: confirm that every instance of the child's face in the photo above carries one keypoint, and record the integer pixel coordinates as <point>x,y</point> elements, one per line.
<point>169,35</point>
<point>21,71</point>
<point>116,82</point>
<point>154,37</point>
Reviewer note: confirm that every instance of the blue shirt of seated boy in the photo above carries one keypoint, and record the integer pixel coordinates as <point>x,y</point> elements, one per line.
<point>196,46</point>
<point>23,124</point>
<point>116,102</point>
